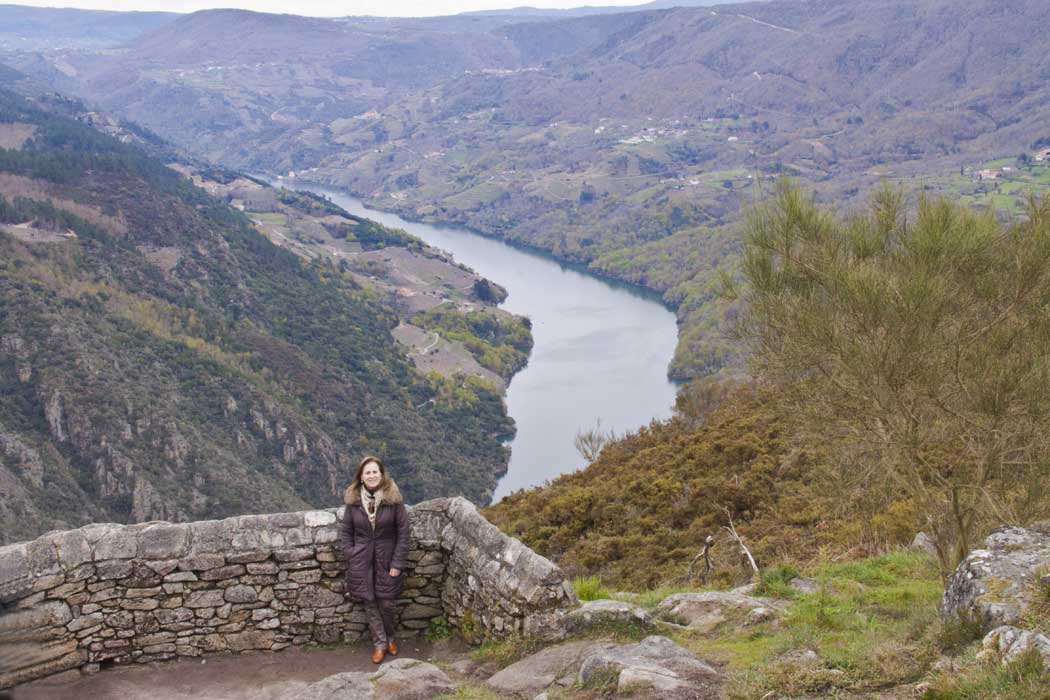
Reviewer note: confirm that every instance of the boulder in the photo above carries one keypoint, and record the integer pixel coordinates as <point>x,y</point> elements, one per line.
<point>605,613</point>
<point>805,585</point>
<point>342,686</point>
<point>557,664</point>
<point>656,664</point>
<point>923,543</point>
<point>409,679</point>
<point>401,679</point>
<point>706,610</point>
<point>993,585</point>
<point>1008,644</point>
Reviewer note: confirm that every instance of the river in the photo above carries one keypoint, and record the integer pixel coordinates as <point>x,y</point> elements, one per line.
<point>601,350</point>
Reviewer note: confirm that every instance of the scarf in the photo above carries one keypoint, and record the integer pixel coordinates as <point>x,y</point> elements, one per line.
<point>371,502</point>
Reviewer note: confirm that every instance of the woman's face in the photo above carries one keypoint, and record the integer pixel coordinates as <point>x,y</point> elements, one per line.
<point>371,475</point>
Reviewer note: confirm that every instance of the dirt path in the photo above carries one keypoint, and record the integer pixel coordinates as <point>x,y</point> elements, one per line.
<point>253,676</point>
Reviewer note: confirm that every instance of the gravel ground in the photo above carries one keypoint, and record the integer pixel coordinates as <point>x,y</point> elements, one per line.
<point>251,676</point>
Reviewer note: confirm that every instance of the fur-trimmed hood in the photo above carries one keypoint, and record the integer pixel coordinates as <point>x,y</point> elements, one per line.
<point>391,493</point>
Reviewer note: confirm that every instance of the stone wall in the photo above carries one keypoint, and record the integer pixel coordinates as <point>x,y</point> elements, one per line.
<point>109,593</point>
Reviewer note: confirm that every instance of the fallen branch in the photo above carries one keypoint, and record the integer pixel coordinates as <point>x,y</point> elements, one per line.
<point>731,529</point>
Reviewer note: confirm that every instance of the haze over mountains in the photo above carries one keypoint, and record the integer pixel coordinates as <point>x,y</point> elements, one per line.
<point>619,141</point>
<point>30,28</point>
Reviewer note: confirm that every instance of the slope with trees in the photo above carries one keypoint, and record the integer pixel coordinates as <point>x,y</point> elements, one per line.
<point>163,360</point>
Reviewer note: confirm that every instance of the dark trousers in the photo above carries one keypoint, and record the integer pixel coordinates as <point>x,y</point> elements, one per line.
<point>380,614</point>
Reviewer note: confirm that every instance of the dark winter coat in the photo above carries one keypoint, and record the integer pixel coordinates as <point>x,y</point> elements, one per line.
<point>370,554</point>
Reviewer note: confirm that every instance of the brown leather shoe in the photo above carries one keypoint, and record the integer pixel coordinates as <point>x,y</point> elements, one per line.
<point>377,655</point>
<point>391,648</point>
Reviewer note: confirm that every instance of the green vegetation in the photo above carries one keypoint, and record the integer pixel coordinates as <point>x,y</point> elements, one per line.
<point>899,384</point>
<point>184,367</point>
<point>498,342</point>
<point>589,588</point>
<point>906,338</point>
<point>1024,679</point>
<point>639,513</point>
<point>872,625</point>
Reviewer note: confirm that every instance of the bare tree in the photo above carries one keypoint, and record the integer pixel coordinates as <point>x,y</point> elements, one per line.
<point>589,443</point>
<point>704,554</point>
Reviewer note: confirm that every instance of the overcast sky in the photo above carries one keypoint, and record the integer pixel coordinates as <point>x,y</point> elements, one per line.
<point>324,8</point>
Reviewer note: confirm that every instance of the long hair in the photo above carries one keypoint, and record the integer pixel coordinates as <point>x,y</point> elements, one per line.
<point>361,468</point>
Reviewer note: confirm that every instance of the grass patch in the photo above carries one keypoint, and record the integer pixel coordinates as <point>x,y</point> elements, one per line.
<point>775,582</point>
<point>589,588</point>
<point>470,691</point>
<point>1025,679</point>
<point>651,598</point>
<point>870,626</point>
<point>504,652</point>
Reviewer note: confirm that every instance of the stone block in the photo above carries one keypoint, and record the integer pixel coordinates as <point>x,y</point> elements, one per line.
<point>116,543</point>
<point>180,577</point>
<point>73,548</point>
<point>318,518</point>
<point>258,580</point>
<point>202,562</point>
<point>211,536</point>
<point>159,649</point>
<point>292,555</point>
<point>265,567</point>
<point>313,596</point>
<point>46,583</point>
<point>306,576</point>
<point>155,638</point>
<point>162,567</point>
<point>204,599</point>
<point>84,621</point>
<point>241,594</point>
<point>164,541</point>
<point>41,556</point>
<point>298,536</point>
<point>223,572</point>
<point>251,639</point>
<point>248,556</point>
<point>416,612</point>
<point>326,535</point>
<point>283,520</point>
<point>140,604</point>
<point>144,592</point>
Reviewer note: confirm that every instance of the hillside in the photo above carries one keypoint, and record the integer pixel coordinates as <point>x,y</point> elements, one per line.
<point>626,142</point>
<point>639,513</point>
<point>161,358</point>
<point>35,28</point>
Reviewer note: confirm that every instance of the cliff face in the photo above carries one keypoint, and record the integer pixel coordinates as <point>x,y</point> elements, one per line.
<point>161,359</point>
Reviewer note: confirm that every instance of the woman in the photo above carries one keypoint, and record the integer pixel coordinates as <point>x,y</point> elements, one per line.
<point>375,539</point>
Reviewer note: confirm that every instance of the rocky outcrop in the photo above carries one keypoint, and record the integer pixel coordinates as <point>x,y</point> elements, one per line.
<point>554,666</point>
<point>136,593</point>
<point>994,585</point>
<point>706,610</point>
<point>604,614</point>
<point>654,667</point>
<point>402,679</point>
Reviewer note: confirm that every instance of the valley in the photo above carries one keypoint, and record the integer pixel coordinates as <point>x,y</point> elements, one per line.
<point>626,142</point>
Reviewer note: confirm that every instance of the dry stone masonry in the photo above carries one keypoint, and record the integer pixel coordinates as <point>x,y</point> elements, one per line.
<point>109,593</point>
